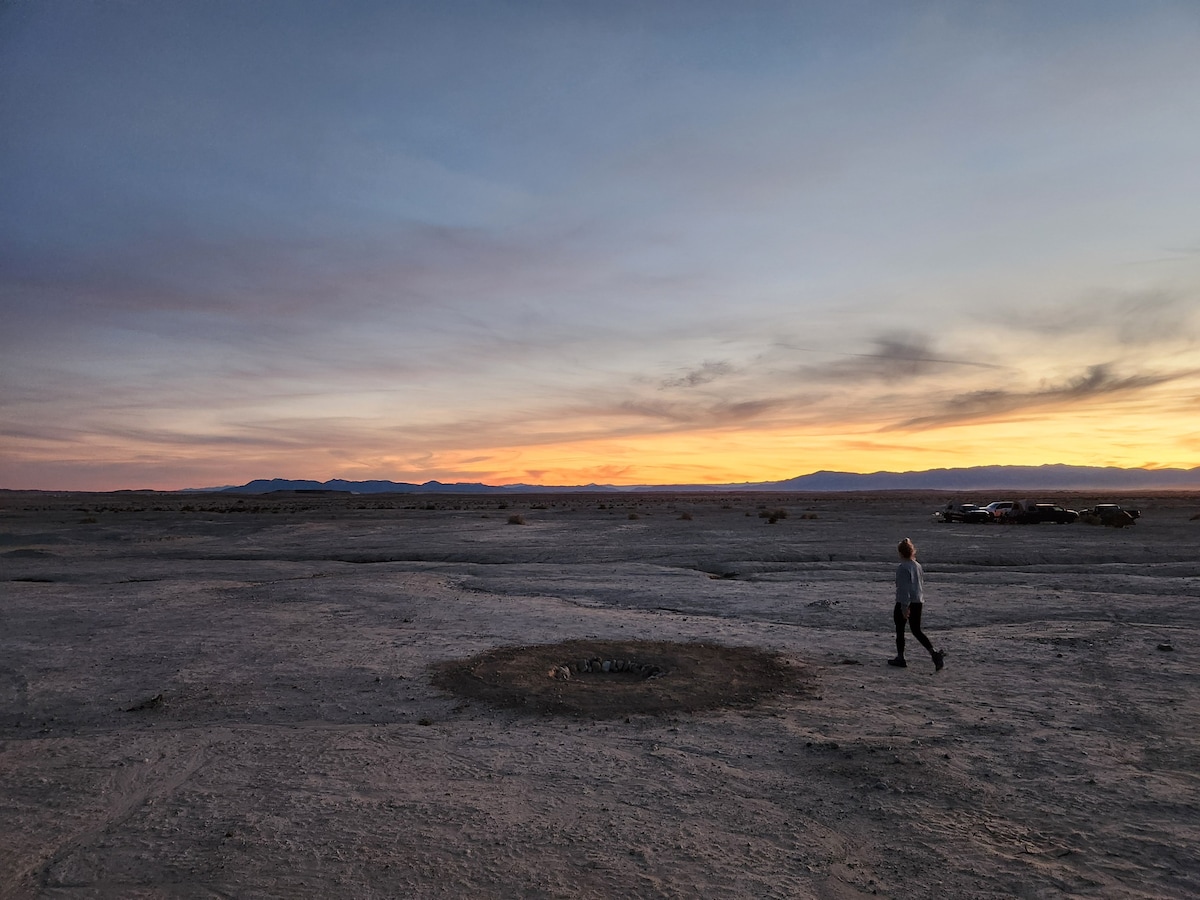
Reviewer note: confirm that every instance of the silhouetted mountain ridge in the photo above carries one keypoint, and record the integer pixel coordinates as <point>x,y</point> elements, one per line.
<point>978,478</point>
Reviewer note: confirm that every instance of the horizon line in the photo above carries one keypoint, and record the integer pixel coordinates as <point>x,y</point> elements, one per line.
<point>776,484</point>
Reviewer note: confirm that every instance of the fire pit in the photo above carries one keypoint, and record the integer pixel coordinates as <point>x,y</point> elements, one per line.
<point>608,679</point>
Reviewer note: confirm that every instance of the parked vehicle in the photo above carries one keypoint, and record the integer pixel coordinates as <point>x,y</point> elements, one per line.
<point>1026,513</point>
<point>1109,514</point>
<point>1000,508</point>
<point>964,512</point>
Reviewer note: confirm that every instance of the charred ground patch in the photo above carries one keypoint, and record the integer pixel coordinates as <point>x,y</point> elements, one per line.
<point>609,679</point>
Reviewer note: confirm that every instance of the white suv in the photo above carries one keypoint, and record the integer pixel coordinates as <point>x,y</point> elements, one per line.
<point>1000,508</point>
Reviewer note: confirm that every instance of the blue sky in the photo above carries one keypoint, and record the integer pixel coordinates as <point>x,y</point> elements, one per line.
<point>572,242</point>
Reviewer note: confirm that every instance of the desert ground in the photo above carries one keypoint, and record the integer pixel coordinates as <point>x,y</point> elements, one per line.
<point>208,696</point>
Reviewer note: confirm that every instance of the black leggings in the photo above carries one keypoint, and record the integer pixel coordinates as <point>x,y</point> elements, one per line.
<point>914,623</point>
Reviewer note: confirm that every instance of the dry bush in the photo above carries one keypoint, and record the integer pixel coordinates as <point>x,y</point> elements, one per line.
<point>687,516</point>
<point>516,520</point>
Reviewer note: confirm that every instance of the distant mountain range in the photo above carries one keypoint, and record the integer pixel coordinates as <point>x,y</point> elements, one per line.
<point>1015,479</point>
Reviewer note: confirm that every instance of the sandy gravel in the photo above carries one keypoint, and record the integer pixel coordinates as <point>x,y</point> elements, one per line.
<point>208,697</point>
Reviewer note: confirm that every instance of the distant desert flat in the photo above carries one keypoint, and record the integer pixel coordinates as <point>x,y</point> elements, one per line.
<point>210,695</point>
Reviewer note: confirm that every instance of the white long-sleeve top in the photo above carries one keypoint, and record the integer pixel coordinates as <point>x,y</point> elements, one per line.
<point>908,583</point>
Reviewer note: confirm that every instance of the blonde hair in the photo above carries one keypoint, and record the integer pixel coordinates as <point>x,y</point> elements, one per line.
<point>907,548</point>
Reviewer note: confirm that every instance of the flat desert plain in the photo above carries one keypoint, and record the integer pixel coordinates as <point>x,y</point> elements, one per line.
<point>286,696</point>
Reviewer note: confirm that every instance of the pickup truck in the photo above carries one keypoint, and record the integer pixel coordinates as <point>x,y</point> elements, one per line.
<point>964,512</point>
<point>1025,513</point>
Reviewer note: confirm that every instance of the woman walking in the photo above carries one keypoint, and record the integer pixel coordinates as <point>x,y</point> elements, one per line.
<point>909,603</point>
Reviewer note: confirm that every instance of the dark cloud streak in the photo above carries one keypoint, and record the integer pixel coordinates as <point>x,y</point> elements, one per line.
<point>894,356</point>
<point>1097,383</point>
<point>707,372</point>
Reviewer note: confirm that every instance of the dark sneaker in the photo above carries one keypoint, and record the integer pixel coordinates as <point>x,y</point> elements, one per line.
<point>939,660</point>
<point>898,662</point>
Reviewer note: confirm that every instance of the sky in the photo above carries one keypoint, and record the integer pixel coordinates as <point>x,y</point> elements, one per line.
<point>573,242</point>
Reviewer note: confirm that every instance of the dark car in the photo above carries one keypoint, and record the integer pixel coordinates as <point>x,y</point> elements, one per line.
<point>1036,513</point>
<point>1109,514</point>
<point>964,512</point>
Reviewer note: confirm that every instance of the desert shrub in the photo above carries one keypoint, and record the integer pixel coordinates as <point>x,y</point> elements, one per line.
<point>773,514</point>
<point>634,515</point>
<point>516,520</point>
<point>88,520</point>
<point>687,516</point>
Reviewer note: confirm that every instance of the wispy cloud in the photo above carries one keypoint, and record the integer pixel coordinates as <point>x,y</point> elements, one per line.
<point>707,372</point>
<point>1154,314</point>
<point>894,357</point>
<point>1097,383</point>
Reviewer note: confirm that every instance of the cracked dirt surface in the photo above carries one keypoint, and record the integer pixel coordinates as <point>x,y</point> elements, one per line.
<point>303,745</point>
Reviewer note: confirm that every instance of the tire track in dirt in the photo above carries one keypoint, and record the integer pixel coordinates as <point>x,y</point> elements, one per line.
<point>131,790</point>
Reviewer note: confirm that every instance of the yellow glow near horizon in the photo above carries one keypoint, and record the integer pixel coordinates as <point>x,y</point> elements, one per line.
<point>1149,432</point>
<point>742,456</point>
